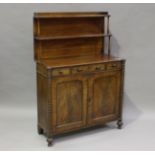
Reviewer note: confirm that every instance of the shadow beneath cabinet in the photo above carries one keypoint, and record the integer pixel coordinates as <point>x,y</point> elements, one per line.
<point>83,132</point>
<point>130,111</point>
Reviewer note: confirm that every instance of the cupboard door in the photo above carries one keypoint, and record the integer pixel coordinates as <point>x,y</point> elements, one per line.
<point>69,103</point>
<point>104,91</point>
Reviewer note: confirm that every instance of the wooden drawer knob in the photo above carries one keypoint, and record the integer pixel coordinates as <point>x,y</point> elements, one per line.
<point>79,70</point>
<point>57,72</point>
<point>98,68</point>
<point>60,72</point>
<point>114,65</point>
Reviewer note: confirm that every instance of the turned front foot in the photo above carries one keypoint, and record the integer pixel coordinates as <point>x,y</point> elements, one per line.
<point>50,141</point>
<point>119,124</point>
<point>40,130</point>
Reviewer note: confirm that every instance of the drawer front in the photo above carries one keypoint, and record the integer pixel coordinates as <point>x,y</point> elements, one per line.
<point>80,69</point>
<point>113,65</point>
<point>62,71</point>
<point>97,67</point>
<point>87,69</point>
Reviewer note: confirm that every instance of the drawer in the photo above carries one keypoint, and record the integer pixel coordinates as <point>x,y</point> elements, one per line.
<point>113,65</point>
<point>62,71</point>
<point>80,69</point>
<point>97,67</point>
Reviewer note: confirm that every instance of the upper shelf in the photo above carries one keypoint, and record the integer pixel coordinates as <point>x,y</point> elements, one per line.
<point>72,37</point>
<point>71,34</point>
<point>71,15</point>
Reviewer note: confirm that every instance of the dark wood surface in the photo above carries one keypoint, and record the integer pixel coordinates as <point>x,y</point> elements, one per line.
<point>79,84</point>
<point>70,14</point>
<point>78,61</point>
<point>104,90</point>
<point>69,37</point>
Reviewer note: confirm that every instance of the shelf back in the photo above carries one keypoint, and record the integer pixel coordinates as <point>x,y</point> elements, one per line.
<point>59,35</point>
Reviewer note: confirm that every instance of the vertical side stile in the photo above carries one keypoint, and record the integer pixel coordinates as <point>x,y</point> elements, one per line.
<point>109,36</point>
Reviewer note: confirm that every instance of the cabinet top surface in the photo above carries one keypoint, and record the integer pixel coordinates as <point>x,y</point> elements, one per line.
<point>68,62</point>
<point>69,14</point>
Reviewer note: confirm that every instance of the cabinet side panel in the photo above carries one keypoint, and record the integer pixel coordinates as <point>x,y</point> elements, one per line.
<point>36,31</point>
<point>121,95</point>
<point>42,100</point>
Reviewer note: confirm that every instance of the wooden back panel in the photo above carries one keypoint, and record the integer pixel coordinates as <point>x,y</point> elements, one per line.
<point>59,35</point>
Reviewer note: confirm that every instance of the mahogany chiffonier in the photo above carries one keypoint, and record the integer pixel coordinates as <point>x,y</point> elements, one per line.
<point>79,83</point>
